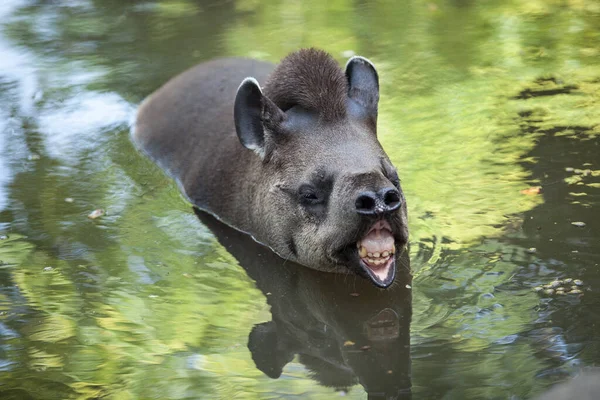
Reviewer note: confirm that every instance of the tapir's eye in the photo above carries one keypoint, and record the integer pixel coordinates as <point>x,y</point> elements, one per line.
<point>313,194</point>
<point>309,195</point>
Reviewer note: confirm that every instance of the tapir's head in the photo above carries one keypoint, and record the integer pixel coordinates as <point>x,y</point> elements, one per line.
<point>331,198</point>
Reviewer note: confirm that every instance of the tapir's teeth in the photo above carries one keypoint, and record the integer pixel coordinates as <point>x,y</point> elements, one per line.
<point>362,252</point>
<point>375,259</point>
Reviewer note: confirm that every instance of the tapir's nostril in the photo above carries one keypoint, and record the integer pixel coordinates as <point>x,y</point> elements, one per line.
<point>391,198</point>
<point>366,203</point>
<point>371,203</point>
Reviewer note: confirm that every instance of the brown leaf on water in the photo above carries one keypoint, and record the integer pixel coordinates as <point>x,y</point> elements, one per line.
<point>532,191</point>
<point>96,213</point>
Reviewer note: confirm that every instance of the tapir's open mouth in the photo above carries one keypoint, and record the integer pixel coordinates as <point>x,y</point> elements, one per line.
<point>376,253</point>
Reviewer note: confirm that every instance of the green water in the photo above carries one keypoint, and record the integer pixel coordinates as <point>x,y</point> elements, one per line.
<point>479,100</point>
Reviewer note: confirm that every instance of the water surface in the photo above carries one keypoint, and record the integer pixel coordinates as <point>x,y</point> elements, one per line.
<point>479,101</point>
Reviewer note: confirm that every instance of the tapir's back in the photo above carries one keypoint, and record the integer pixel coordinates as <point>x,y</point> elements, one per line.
<point>187,125</point>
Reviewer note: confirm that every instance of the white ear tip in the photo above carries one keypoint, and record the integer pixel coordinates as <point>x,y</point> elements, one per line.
<point>361,59</point>
<point>250,80</point>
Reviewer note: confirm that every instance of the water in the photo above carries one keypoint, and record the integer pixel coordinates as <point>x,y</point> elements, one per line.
<point>479,102</point>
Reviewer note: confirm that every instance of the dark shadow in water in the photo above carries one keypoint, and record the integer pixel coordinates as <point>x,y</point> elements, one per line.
<point>343,329</point>
<point>566,157</point>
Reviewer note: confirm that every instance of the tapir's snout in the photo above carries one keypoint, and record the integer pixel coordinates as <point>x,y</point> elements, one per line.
<point>378,203</point>
<point>376,206</point>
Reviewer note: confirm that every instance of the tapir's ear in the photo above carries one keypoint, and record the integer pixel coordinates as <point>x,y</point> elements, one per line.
<point>363,84</point>
<point>268,353</point>
<point>255,115</point>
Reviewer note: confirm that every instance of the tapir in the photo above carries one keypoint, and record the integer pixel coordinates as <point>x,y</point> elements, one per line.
<point>294,160</point>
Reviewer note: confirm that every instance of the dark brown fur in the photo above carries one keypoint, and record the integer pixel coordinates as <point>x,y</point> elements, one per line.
<point>311,79</point>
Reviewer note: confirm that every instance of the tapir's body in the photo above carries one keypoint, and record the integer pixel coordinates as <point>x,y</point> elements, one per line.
<point>187,127</point>
<point>296,164</point>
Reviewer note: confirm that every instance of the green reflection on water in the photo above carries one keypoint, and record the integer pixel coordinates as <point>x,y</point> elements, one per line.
<point>143,303</point>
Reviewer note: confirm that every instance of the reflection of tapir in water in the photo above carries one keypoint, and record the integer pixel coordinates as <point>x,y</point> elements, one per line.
<point>344,329</point>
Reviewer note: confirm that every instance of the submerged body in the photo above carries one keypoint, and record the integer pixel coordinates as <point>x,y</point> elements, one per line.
<point>187,128</point>
<point>296,164</point>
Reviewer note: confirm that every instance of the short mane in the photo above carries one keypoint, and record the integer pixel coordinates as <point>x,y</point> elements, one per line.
<point>311,79</point>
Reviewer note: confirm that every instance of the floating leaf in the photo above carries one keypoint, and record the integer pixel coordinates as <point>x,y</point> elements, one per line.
<point>584,172</point>
<point>532,190</point>
<point>96,213</point>
<point>571,180</point>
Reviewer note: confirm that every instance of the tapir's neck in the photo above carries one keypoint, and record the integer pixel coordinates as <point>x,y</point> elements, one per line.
<point>237,193</point>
